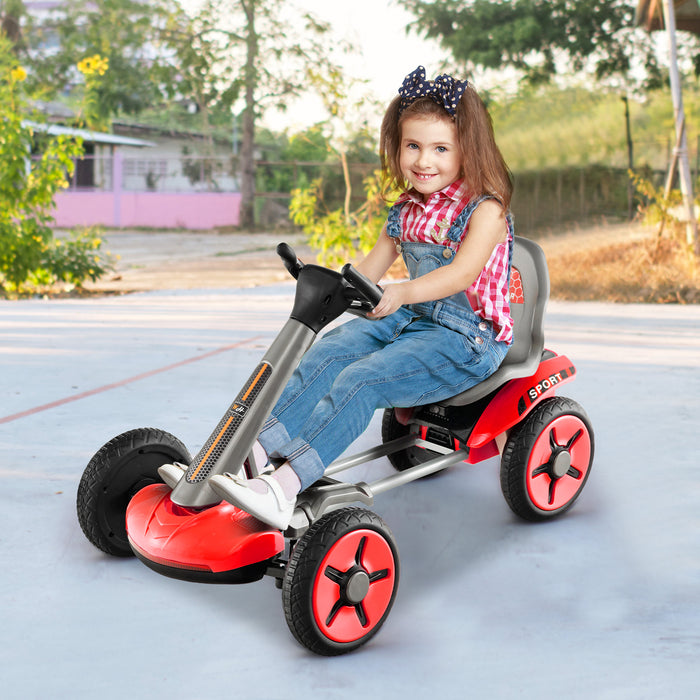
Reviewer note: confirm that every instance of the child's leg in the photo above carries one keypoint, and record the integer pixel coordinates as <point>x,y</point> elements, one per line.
<point>318,370</point>
<point>271,498</point>
<point>426,363</point>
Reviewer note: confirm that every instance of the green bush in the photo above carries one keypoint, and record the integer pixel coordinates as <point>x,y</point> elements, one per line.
<point>33,168</point>
<point>339,235</point>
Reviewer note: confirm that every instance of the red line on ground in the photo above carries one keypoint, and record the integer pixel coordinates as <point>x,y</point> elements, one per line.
<point>123,382</point>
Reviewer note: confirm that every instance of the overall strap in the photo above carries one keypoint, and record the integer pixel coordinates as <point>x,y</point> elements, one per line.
<point>456,232</point>
<point>459,225</point>
<point>393,225</point>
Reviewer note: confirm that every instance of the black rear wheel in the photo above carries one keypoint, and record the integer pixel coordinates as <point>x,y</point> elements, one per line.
<point>116,472</point>
<point>411,456</point>
<point>547,459</point>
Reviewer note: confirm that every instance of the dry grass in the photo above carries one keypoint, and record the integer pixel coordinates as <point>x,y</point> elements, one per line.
<point>653,270</point>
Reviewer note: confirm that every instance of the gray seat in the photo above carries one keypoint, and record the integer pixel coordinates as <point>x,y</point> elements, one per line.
<point>529,293</point>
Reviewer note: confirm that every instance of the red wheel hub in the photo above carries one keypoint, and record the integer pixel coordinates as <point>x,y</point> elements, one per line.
<point>354,586</point>
<point>558,463</point>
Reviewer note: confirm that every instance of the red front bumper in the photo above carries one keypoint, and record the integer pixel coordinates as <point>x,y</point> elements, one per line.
<point>217,543</point>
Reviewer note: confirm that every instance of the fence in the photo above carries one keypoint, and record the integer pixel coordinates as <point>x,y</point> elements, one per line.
<point>556,198</point>
<point>155,174</point>
<point>542,199</point>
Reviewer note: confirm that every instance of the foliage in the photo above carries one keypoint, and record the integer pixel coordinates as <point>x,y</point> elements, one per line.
<point>95,112</point>
<point>28,184</point>
<point>75,259</point>
<point>337,235</point>
<point>124,32</point>
<point>535,36</point>
<point>294,162</point>
<point>664,209</point>
<point>550,127</point>
<point>658,208</point>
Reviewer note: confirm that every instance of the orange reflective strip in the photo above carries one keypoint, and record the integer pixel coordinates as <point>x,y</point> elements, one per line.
<point>228,422</point>
<point>211,449</point>
<point>255,381</point>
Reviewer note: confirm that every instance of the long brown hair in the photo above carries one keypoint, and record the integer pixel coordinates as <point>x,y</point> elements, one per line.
<point>483,167</point>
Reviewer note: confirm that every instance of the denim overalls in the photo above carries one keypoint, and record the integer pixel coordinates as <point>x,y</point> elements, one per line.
<point>420,354</point>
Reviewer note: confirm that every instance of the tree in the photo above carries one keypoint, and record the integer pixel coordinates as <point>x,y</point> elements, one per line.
<point>535,36</point>
<point>275,47</point>
<point>341,233</point>
<point>257,52</point>
<point>11,14</point>
<point>122,31</point>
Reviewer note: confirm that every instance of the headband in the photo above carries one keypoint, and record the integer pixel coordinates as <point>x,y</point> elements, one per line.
<point>444,90</point>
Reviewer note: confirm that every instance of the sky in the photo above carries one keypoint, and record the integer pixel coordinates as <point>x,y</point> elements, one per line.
<point>386,55</point>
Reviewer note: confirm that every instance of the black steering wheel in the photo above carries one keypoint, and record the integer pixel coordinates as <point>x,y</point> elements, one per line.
<point>362,294</point>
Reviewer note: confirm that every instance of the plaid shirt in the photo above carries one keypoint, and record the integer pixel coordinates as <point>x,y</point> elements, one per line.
<point>429,222</point>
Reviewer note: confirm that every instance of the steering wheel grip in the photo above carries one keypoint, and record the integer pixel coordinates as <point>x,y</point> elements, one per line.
<point>367,288</point>
<point>371,292</point>
<point>289,257</point>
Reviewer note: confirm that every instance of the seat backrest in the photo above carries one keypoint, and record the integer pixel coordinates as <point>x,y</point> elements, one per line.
<point>529,293</point>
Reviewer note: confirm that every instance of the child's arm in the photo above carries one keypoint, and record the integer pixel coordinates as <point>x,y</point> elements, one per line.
<point>487,228</point>
<point>379,259</point>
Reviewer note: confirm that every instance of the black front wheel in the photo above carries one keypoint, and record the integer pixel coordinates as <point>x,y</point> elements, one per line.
<point>116,472</point>
<point>341,581</point>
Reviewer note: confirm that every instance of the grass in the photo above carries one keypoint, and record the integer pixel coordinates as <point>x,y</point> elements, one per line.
<point>547,127</point>
<point>653,270</point>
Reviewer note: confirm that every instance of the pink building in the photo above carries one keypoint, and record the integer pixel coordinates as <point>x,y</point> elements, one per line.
<point>125,182</point>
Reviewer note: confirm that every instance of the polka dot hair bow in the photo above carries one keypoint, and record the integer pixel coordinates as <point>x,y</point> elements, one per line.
<point>444,90</point>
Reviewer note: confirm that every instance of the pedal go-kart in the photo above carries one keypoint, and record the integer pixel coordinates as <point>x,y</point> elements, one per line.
<point>338,564</point>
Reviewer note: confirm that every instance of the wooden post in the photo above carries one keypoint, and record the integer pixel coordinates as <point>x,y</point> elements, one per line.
<point>681,153</point>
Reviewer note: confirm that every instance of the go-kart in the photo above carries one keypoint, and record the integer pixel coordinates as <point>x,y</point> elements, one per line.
<point>338,564</point>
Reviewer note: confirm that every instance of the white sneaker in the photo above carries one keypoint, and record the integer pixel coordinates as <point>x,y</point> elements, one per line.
<point>272,507</point>
<point>172,473</point>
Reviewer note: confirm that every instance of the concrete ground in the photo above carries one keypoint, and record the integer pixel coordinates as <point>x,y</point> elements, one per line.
<point>601,603</point>
<point>146,261</point>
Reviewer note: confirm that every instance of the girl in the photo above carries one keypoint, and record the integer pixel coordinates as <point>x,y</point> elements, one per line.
<point>445,330</point>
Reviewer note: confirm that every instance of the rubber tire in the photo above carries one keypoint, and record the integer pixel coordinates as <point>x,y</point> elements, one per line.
<point>410,457</point>
<point>116,472</point>
<point>303,578</point>
<point>516,470</point>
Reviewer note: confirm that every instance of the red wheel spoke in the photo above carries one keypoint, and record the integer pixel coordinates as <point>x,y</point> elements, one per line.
<point>574,473</point>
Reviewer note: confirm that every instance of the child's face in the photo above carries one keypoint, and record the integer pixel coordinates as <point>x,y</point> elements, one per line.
<point>430,158</point>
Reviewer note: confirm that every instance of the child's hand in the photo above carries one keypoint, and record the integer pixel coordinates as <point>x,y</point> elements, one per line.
<point>392,300</point>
